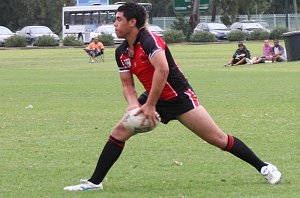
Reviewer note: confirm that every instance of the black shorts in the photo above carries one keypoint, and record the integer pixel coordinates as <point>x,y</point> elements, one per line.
<point>263,59</point>
<point>171,109</point>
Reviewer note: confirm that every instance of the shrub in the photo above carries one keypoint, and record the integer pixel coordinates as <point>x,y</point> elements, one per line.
<point>277,32</point>
<point>46,40</point>
<point>173,36</point>
<point>16,41</point>
<point>236,35</point>
<point>258,35</point>
<point>225,20</point>
<point>106,39</point>
<point>182,24</point>
<point>71,41</point>
<point>202,36</point>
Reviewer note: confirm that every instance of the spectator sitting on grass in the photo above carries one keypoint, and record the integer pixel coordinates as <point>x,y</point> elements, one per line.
<point>279,53</point>
<point>267,54</point>
<point>240,55</point>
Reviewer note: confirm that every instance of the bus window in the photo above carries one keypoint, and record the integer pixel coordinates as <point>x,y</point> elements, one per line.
<point>72,19</point>
<point>78,18</point>
<point>111,17</point>
<point>95,17</point>
<point>103,17</point>
<point>67,18</point>
<point>87,18</point>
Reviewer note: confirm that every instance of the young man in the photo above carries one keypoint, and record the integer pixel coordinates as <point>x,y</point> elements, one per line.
<point>95,48</point>
<point>239,56</point>
<point>267,54</point>
<point>279,53</point>
<point>167,92</point>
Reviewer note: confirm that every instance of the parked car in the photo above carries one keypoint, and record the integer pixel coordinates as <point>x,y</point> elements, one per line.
<point>263,23</point>
<point>156,30</point>
<point>32,33</point>
<point>218,29</point>
<point>106,29</point>
<point>247,26</point>
<point>5,33</point>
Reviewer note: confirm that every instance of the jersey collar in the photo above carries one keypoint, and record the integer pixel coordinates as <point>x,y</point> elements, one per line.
<point>137,40</point>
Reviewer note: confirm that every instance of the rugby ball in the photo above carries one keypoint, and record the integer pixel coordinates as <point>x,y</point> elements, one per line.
<point>133,122</point>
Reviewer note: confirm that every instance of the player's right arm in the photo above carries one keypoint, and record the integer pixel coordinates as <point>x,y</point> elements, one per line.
<point>127,80</point>
<point>129,90</point>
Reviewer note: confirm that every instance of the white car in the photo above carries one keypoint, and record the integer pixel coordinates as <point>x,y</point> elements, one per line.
<point>5,33</point>
<point>247,27</point>
<point>156,30</point>
<point>106,29</point>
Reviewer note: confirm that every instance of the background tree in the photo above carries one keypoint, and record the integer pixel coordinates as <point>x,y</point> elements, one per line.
<point>12,14</point>
<point>194,18</point>
<point>214,5</point>
<point>182,24</point>
<point>16,14</point>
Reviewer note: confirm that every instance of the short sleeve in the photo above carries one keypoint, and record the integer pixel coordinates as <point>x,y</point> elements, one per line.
<point>121,65</point>
<point>152,43</point>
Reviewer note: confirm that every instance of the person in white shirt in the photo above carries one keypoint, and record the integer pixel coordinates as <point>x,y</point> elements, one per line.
<point>279,52</point>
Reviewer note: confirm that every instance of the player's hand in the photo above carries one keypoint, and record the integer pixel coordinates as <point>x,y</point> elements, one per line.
<point>131,107</point>
<point>150,113</point>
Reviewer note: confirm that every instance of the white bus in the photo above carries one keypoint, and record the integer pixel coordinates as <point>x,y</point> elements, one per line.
<point>80,21</point>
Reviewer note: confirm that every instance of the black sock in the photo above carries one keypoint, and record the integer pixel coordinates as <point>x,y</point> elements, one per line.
<point>108,157</point>
<point>242,151</point>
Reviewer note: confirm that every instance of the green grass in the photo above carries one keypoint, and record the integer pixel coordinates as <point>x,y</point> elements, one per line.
<point>75,105</point>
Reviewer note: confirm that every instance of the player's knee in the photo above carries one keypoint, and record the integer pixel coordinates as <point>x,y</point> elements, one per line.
<point>121,133</point>
<point>221,141</point>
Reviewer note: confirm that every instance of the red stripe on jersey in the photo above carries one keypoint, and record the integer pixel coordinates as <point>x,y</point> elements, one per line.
<point>156,43</point>
<point>124,67</point>
<point>192,97</point>
<point>172,90</point>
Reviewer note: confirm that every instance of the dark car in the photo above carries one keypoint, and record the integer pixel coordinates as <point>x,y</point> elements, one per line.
<point>218,29</point>
<point>247,26</point>
<point>156,30</point>
<point>32,33</point>
<point>5,33</point>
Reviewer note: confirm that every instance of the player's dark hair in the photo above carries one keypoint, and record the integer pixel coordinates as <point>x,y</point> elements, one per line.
<point>134,11</point>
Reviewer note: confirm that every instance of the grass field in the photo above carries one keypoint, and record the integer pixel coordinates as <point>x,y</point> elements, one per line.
<point>75,104</point>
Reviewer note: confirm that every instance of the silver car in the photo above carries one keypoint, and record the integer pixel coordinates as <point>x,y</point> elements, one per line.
<point>32,33</point>
<point>218,29</point>
<point>247,27</point>
<point>5,33</point>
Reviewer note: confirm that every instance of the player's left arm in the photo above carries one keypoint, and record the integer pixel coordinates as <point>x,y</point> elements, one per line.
<point>161,71</point>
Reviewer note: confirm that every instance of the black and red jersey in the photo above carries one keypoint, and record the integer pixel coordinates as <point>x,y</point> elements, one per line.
<point>146,45</point>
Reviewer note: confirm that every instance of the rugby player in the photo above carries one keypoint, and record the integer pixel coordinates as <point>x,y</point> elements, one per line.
<point>167,92</point>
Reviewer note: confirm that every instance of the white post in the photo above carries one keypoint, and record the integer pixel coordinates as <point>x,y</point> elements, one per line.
<point>289,21</point>
<point>296,13</point>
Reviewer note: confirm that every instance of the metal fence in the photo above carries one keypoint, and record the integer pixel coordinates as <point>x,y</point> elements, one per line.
<point>274,20</point>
